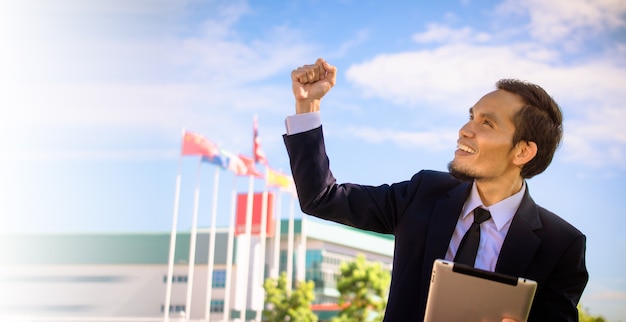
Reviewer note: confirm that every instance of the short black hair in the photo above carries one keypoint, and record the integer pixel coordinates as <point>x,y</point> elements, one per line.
<point>539,120</point>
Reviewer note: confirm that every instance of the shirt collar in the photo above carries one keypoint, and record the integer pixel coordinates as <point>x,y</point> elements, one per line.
<point>502,212</point>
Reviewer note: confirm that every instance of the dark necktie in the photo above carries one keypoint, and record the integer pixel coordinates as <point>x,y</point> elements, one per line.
<point>468,248</point>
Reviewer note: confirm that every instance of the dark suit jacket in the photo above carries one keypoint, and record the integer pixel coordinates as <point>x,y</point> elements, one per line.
<point>422,214</point>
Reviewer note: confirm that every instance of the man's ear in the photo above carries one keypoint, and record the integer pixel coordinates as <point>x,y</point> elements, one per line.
<point>524,152</point>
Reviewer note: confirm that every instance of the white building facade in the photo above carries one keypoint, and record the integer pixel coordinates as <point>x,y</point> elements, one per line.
<point>123,277</point>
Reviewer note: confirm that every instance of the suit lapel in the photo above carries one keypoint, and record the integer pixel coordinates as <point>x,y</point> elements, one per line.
<point>520,243</point>
<point>519,246</point>
<point>441,227</point>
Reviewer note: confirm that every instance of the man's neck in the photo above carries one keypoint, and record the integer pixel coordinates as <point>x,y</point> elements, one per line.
<point>493,191</point>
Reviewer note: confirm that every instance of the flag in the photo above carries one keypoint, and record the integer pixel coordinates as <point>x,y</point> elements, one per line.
<point>219,160</point>
<point>196,144</point>
<point>257,214</point>
<point>234,163</point>
<point>250,169</point>
<point>259,155</point>
<point>278,179</point>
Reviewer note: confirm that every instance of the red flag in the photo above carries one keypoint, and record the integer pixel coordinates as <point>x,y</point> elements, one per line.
<point>250,169</point>
<point>257,208</point>
<point>196,144</point>
<point>259,155</point>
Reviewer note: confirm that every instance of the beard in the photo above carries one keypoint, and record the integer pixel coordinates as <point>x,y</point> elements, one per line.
<point>461,174</point>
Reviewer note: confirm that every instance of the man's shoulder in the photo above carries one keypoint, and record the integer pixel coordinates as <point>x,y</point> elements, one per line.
<point>553,222</point>
<point>549,222</point>
<point>435,182</point>
<point>437,178</point>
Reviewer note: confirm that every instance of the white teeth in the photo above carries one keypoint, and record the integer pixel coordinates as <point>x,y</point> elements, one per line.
<point>465,148</point>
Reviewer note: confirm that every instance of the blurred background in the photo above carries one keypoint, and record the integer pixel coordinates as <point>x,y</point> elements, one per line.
<point>94,97</point>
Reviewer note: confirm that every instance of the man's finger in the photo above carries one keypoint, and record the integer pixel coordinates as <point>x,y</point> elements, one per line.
<point>313,73</point>
<point>331,72</point>
<point>299,75</point>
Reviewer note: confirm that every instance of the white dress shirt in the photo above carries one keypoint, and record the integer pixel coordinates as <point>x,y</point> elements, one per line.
<point>492,232</point>
<point>299,123</point>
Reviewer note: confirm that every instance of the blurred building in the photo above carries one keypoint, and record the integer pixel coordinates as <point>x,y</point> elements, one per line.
<point>123,276</point>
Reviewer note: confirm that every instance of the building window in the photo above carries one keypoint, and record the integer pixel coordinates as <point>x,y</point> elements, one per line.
<point>283,263</point>
<point>176,279</point>
<point>217,306</point>
<point>174,308</point>
<point>219,279</point>
<point>313,267</point>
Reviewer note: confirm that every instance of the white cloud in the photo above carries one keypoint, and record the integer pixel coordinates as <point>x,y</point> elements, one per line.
<point>448,75</point>
<point>167,80</point>
<point>213,56</point>
<point>72,82</point>
<point>598,138</point>
<point>436,140</point>
<point>562,19</point>
<point>591,94</point>
<point>75,112</point>
<point>466,63</point>
<point>88,155</point>
<point>98,42</point>
<point>438,33</point>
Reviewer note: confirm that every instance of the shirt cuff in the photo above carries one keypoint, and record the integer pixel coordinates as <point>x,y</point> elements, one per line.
<point>299,123</point>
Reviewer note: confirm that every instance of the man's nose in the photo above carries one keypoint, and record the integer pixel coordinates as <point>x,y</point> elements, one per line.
<point>466,130</point>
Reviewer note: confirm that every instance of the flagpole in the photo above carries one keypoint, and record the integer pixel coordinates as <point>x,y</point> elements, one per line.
<point>290,234</point>
<point>301,260</point>
<point>263,236</point>
<point>229,253</point>
<point>211,258</point>
<point>276,258</point>
<point>192,243</point>
<point>170,261</point>
<point>245,265</point>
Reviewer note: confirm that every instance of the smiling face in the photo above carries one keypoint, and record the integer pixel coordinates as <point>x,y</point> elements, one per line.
<point>484,148</point>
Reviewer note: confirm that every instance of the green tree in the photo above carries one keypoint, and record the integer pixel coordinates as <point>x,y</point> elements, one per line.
<point>363,287</point>
<point>584,316</point>
<point>282,304</point>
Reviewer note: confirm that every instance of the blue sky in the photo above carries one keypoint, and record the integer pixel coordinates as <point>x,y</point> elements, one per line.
<point>95,95</point>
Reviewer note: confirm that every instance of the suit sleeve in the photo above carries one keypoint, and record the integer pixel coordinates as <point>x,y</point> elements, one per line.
<point>365,207</point>
<point>560,296</point>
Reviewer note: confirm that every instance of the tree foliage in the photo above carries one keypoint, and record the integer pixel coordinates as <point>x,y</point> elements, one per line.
<point>282,304</point>
<point>584,316</point>
<point>363,287</point>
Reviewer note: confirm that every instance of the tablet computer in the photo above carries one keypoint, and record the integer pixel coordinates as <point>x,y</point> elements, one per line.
<point>463,293</point>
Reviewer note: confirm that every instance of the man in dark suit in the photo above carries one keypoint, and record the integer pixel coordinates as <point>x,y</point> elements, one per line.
<point>511,136</point>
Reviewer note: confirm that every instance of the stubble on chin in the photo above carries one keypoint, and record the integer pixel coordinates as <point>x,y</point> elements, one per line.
<point>460,174</point>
